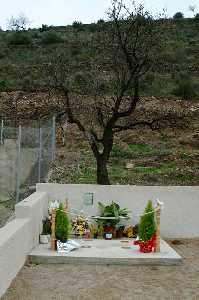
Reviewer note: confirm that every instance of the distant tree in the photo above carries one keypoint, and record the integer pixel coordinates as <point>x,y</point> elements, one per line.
<point>179,15</point>
<point>192,8</point>
<point>18,23</point>
<point>78,25</point>
<point>44,27</point>
<point>197,17</point>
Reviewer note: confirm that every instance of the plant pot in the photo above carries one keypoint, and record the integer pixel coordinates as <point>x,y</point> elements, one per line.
<point>147,246</point>
<point>109,232</point>
<point>44,238</point>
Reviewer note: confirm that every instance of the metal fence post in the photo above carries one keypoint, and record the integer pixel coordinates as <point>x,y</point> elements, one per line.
<point>40,154</point>
<point>2,128</point>
<point>53,138</point>
<point>18,165</point>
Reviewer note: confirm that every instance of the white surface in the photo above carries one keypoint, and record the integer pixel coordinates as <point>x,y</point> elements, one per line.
<point>104,251</point>
<point>179,217</point>
<point>20,236</point>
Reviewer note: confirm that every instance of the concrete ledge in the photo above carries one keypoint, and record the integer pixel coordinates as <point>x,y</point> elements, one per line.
<point>34,207</point>
<point>106,253</point>
<point>14,248</point>
<point>20,236</point>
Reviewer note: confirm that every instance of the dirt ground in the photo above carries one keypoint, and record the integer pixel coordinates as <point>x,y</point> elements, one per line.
<point>86,282</point>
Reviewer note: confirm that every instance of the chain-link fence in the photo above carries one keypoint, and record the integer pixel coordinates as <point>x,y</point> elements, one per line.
<point>26,154</point>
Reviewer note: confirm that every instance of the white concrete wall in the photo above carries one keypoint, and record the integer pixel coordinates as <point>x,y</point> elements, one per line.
<point>18,237</point>
<point>180,217</point>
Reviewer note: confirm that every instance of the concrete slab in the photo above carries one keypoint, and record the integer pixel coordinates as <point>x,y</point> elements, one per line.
<point>106,252</point>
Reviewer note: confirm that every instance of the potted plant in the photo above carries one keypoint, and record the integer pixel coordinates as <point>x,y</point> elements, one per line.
<point>147,229</point>
<point>110,217</point>
<point>62,227</point>
<point>44,237</point>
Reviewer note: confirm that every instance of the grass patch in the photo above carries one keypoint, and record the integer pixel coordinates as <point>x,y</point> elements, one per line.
<point>162,169</point>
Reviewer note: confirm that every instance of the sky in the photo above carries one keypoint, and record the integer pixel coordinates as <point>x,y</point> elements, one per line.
<point>64,12</point>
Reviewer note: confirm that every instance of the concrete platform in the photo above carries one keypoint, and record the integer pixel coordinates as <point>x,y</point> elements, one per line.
<point>104,252</point>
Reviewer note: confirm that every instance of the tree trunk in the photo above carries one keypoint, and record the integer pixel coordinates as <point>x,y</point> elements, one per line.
<point>102,171</point>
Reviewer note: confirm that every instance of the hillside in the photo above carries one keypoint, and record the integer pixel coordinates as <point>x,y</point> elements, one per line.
<point>23,55</point>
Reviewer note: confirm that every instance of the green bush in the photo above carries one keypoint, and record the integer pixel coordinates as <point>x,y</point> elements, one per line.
<point>179,15</point>
<point>19,38</point>
<point>185,87</point>
<point>63,227</point>
<point>3,85</point>
<point>197,17</point>
<point>147,224</point>
<point>50,37</point>
<point>77,25</point>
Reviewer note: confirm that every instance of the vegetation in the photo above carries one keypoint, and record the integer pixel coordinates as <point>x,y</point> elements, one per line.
<point>112,210</point>
<point>63,226</point>
<point>179,15</point>
<point>147,225</point>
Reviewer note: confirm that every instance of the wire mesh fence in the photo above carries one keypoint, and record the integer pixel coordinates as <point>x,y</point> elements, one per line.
<point>26,154</point>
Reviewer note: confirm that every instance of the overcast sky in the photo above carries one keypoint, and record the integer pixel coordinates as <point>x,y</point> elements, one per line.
<point>63,12</point>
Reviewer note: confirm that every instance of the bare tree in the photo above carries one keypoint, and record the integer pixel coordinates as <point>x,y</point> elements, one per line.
<point>104,103</point>
<point>18,23</point>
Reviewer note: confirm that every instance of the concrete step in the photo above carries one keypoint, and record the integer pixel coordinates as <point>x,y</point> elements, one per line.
<point>104,252</point>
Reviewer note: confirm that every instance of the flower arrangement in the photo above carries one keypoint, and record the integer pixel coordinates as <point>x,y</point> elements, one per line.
<point>80,224</point>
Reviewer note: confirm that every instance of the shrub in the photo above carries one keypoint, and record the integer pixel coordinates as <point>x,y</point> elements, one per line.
<point>78,26</point>
<point>147,224</point>
<point>179,15</point>
<point>197,17</point>
<point>44,27</point>
<point>19,38</point>
<point>185,87</point>
<point>63,227</point>
<point>50,37</point>
<point>3,85</point>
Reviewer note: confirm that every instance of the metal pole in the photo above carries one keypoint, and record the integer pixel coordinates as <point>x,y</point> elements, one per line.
<point>40,154</point>
<point>18,165</point>
<point>2,128</point>
<point>53,138</point>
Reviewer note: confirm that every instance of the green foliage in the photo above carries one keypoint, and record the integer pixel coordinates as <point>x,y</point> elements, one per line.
<point>178,16</point>
<point>44,27</point>
<point>3,85</point>
<point>185,87</point>
<point>46,227</point>
<point>51,37</point>
<point>147,224</point>
<point>19,38</point>
<point>131,151</point>
<point>63,227</point>
<point>197,17</point>
<point>78,26</point>
<point>112,210</point>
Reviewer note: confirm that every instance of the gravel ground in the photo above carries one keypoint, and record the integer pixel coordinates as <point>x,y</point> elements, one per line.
<point>85,282</point>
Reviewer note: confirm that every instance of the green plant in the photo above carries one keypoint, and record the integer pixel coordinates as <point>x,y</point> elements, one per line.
<point>46,227</point>
<point>19,38</point>
<point>185,87</point>
<point>147,224</point>
<point>178,16</point>
<point>63,227</point>
<point>112,210</point>
<point>50,37</point>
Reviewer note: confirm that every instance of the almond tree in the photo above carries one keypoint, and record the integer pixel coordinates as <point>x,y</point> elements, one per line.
<point>102,98</point>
